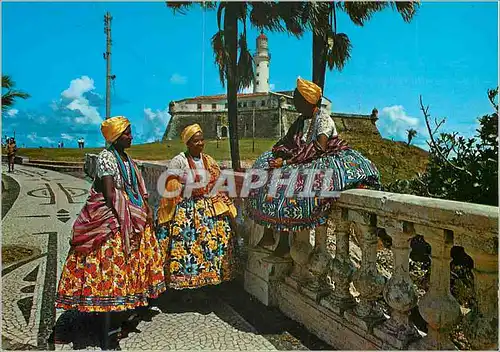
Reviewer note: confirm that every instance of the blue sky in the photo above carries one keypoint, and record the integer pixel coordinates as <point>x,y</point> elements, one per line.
<point>448,54</point>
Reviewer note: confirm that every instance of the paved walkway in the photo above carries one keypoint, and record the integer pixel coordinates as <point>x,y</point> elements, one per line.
<point>41,219</point>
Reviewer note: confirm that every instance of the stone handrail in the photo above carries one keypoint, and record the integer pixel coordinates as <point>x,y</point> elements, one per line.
<point>341,305</point>
<point>318,291</point>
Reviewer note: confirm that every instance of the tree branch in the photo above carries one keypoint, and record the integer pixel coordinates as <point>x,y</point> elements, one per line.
<point>425,111</point>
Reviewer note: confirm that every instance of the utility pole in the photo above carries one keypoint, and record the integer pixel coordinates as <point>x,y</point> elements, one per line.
<point>107,57</point>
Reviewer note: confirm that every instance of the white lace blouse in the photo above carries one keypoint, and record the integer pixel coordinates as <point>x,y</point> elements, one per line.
<point>323,125</point>
<point>107,165</point>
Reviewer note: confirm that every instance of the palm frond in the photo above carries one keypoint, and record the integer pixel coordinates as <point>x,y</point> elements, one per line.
<point>361,11</point>
<point>221,55</point>
<point>264,16</point>
<point>291,14</point>
<point>9,98</point>
<point>219,15</point>
<point>245,63</point>
<point>407,9</point>
<point>179,6</point>
<point>339,50</point>
<point>7,82</point>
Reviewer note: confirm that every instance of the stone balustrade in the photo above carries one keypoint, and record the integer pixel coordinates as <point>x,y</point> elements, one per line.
<point>342,305</point>
<point>322,297</point>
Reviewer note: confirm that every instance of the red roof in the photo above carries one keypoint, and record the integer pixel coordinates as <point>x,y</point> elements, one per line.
<point>262,36</point>
<point>224,96</point>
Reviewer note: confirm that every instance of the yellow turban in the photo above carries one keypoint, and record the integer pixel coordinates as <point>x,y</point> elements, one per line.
<point>309,90</point>
<point>113,127</point>
<point>189,132</point>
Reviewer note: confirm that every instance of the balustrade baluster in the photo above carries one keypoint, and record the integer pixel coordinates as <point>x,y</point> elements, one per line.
<point>341,268</point>
<point>438,307</point>
<point>368,282</point>
<point>482,322</point>
<point>399,292</point>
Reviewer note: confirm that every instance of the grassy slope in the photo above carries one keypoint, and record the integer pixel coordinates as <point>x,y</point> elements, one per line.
<point>394,159</point>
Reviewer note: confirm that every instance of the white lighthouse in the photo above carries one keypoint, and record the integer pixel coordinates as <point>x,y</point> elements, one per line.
<point>261,59</point>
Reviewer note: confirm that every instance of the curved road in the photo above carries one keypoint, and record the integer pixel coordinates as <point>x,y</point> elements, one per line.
<point>41,218</point>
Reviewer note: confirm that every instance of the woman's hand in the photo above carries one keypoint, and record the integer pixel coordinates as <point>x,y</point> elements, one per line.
<point>276,163</point>
<point>149,216</point>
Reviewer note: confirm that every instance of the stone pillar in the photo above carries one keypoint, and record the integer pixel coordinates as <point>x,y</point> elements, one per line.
<point>262,274</point>
<point>368,282</point>
<point>399,292</point>
<point>318,286</point>
<point>300,254</point>
<point>482,322</point>
<point>438,307</point>
<point>341,268</point>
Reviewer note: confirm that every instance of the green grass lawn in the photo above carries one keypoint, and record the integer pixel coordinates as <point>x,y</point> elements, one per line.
<point>395,160</point>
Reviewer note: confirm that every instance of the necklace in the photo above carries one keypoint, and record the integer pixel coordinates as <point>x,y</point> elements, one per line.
<point>131,185</point>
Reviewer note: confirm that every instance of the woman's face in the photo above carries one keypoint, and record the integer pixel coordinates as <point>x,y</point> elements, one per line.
<point>302,105</point>
<point>125,140</point>
<point>196,144</point>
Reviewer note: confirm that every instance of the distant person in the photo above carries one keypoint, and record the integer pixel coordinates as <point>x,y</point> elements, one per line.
<point>114,263</point>
<point>62,144</point>
<point>83,143</point>
<point>79,143</point>
<point>11,153</point>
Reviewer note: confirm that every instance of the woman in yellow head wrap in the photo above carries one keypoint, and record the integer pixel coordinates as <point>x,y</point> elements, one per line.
<point>337,168</point>
<point>114,263</point>
<point>195,229</point>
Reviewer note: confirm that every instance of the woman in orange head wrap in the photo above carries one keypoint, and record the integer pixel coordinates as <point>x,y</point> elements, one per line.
<point>114,263</point>
<point>320,150</point>
<point>195,231</point>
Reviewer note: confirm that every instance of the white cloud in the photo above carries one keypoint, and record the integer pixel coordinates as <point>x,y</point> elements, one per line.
<point>272,86</point>
<point>394,121</point>
<point>12,112</point>
<point>32,137</point>
<point>178,79</point>
<point>156,123</point>
<point>47,139</point>
<point>77,88</point>
<point>67,136</point>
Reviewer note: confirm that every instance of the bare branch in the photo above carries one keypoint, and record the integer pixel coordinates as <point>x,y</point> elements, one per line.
<point>433,142</point>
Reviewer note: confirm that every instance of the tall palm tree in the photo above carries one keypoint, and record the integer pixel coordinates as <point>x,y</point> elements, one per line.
<point>231,52</point>
<point>10,96</point>
<point>333,48</point>
<point>411,133</point>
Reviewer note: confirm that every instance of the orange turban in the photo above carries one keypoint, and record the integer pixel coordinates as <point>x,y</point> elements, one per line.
<point>113,128</point>
<point>189,132</point>
<point>309,90</point>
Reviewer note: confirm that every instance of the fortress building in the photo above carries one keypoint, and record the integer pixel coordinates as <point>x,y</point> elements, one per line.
<point>271,113</point>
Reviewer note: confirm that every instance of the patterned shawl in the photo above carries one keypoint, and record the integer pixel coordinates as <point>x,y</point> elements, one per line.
<point>221,202</point>
<point>97,222</point>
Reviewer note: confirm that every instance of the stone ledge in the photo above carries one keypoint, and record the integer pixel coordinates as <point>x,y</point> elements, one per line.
<point>328,326</point>
<point>445,214</point>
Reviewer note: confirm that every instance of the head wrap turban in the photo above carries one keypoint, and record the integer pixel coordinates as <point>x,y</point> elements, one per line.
<point>113,128</point>
<point>309,90</point>
<point>189,132</point>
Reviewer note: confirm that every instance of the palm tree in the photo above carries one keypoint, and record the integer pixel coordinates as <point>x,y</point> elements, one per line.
<point>411,134</point>
<point>231,53</point>
<point>10,96</point>
<point>333,48</point>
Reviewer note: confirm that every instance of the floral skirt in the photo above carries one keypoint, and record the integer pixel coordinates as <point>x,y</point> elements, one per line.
<point>345,170</point>
<point>198,246</point>
<point>106,280</point>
